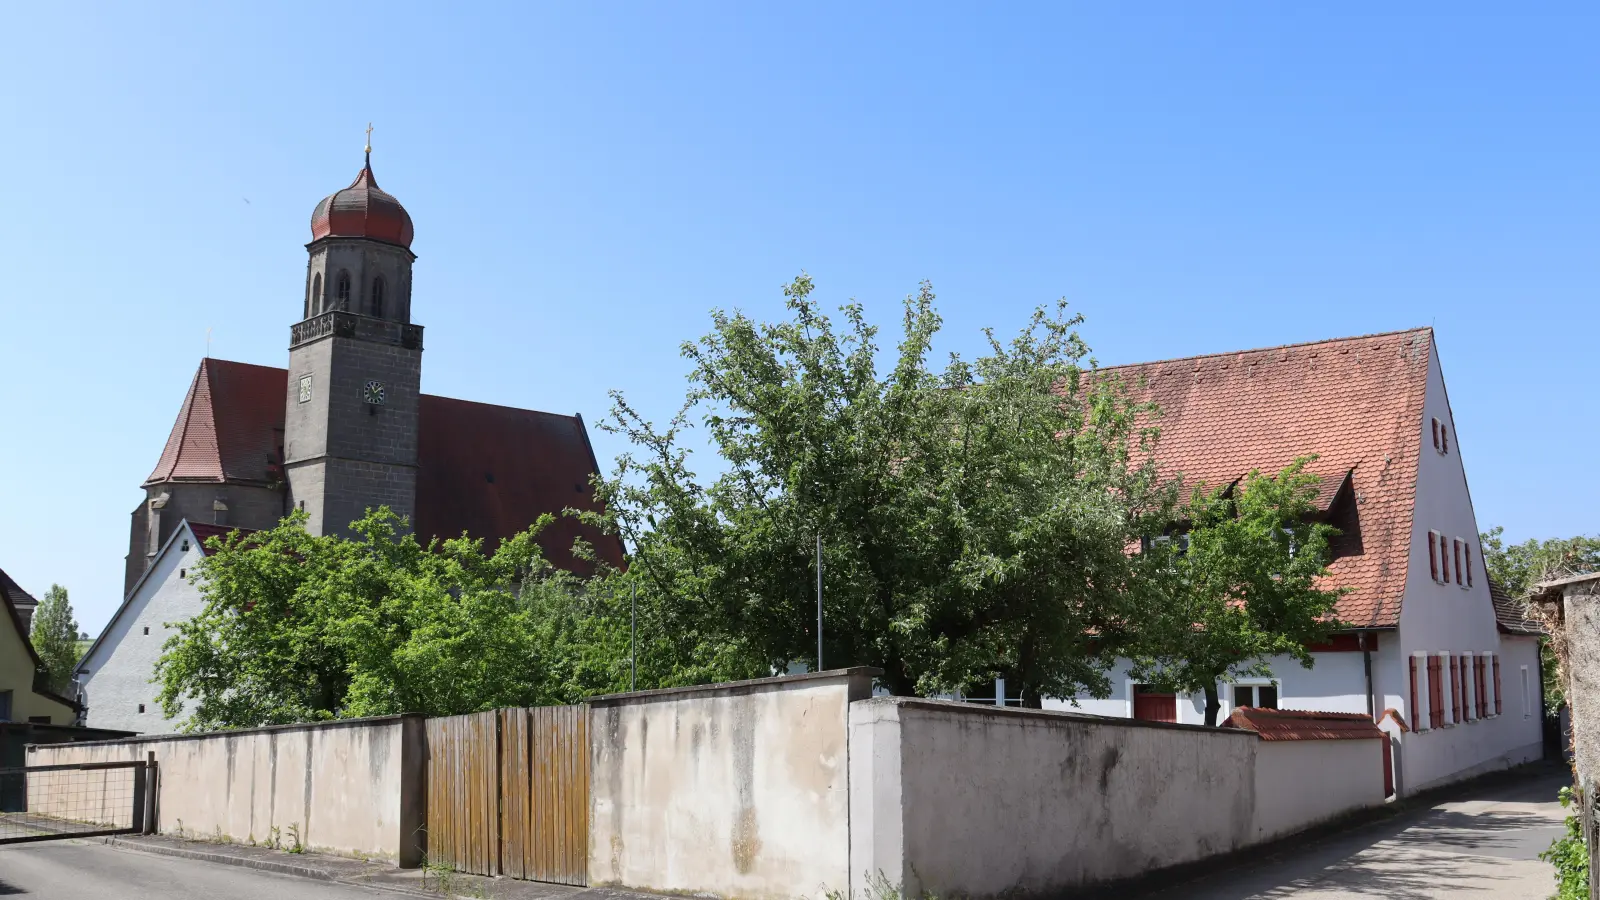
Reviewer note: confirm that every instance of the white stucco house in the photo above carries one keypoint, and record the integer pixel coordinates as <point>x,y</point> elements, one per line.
<point>1429,643</point>
<point>114,676</point>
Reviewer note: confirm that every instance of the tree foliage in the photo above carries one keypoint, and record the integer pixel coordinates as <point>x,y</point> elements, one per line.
<point>1241,585</point>
<point>301,628</point>
<point>54,634</point>
<point>1518,567</point>
<point>974,519</point>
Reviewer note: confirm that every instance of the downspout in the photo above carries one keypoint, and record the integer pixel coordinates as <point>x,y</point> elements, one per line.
<point>1366,662</point>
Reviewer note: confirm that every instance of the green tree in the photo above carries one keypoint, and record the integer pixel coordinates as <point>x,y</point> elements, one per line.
<point>54,635</point>
<point>1518,567</point>
<point>974,519</point>
<point>1241,585</point>
<point>301,628</point>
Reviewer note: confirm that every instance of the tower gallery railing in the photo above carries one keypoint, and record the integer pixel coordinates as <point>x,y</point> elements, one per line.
<point>339,323</point>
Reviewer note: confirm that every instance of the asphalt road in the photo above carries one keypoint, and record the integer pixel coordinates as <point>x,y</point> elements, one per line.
<point>1484,842</point>
<point>89,870</point>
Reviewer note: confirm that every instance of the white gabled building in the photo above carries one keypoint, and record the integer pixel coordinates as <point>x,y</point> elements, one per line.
<point>114,676</point>
<point>1430,642</point>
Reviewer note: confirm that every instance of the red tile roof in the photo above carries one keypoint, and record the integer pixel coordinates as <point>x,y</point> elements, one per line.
<point>203,533</point>
<point>230,427</point>
<point>1355,402</point>
<point>487,470</point>
<point>1299,725</point>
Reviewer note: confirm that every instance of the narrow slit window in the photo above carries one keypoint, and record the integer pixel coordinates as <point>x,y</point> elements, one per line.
<point>314,304</point>
<point>342,292</point>
<point>377,297</point>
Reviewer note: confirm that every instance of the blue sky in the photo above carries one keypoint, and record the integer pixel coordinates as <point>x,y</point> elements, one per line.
<point>588,180</point>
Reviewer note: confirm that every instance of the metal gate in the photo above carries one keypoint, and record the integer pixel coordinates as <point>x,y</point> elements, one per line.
<point>508,793</point>
<point>49,803</point>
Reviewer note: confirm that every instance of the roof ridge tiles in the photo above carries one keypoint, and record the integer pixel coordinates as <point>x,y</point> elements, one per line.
<point>1197,358</point>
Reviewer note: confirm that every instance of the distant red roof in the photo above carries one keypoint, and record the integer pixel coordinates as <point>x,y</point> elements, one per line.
<point>1300,725</point>
<point>1510,615</point>
<point>489,471</point>
<point>362,210</point>
<point>1354,402</point>
<point>203,533</point>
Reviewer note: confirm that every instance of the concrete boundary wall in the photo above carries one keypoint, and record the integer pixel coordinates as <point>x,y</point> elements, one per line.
<point>354,787</point>
<point>974,801</point>
<point>728,790</point>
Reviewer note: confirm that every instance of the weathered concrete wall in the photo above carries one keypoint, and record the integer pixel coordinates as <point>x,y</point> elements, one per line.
<point>1304,783</point>
<point>970,800</point>
<point>1582,611</point>
<point>732,790</point>
<point>352,787</point>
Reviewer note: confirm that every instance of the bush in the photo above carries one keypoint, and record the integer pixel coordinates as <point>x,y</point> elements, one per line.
<point>1570,857</point>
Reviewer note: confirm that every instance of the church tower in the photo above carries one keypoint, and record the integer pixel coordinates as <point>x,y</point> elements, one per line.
<point>355,363</point>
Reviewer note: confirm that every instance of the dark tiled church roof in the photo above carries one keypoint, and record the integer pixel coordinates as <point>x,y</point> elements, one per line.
<point>487,470</point>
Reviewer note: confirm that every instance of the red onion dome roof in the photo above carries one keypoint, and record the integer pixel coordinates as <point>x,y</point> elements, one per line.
<point>362,210</point>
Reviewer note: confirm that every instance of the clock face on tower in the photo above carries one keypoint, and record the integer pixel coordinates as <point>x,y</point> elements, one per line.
<point>305,388</point>
<point>373,393</point>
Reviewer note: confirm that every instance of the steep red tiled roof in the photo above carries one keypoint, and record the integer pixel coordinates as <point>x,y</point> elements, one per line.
<point>1354,402</point>
<point>219,435</point>
<point>1299,725</point>
<point>487,470</point>
<point>362,210</point>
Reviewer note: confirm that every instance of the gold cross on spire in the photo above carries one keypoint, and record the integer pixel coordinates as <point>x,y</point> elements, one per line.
<point>369,137</point>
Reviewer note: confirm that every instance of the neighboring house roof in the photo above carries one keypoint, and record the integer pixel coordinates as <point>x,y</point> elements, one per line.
<point>1354,402</point>
<point>487,470</point>
<point>7,589</point>
<point>1302,725</point>
<point>1511,614</point>
<point>20,599</point>
<point>203,533</point>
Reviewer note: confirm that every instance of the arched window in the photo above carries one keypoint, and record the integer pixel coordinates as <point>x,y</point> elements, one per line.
<point>344,290</point>
<point>377,296</point>
<point>314,302</point>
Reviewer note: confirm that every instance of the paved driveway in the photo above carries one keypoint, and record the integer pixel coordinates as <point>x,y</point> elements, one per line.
<point>1484,842</point>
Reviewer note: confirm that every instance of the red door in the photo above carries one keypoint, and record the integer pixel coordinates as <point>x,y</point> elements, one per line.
<point>1154,707</point>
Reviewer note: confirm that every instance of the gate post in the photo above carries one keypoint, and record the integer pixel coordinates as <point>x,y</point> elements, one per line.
<point>150,788</point>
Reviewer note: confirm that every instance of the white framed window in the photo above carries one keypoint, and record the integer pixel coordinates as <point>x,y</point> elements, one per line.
<point>1259,694</point>
<point>1469,686</point>
<point>1421,712</point>
<point>1489,686</point>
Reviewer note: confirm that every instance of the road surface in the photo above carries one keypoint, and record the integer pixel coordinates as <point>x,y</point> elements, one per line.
<point>90,870</point>
<point>1484,843</point>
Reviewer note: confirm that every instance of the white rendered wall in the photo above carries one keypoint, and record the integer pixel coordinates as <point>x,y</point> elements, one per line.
<point>1452,619</point>
<point>1336,683</point>
<point>115,679</point>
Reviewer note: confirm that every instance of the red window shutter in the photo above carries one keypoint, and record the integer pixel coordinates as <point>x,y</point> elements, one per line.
<point>1435,434</point>
<point>1415,710</point>
<point>1444,560</point>
<point>1483,695</point>
<point>1499,707</point>
<point>1455,689</point>
<point>1456,547</point>
<point>1444,439</point>
<point>1436,692</point>
<point>1433,557</point>
<point>1466,556</point>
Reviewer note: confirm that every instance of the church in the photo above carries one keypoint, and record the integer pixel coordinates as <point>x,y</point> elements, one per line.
<point>344,428</point>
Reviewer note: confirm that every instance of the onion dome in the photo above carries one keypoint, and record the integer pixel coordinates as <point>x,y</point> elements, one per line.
<point>362,210</point>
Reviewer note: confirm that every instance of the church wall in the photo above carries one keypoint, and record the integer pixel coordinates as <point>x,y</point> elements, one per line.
<point>255,507</point>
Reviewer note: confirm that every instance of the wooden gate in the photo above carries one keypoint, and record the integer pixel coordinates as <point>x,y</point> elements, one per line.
<point>508,793</point>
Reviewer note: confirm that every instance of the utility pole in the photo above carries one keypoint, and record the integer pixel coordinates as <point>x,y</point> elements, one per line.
<point>633,638</point>
<point>819,601</point>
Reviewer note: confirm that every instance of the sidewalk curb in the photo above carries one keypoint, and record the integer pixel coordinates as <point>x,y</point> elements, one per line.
<point>265,865</point>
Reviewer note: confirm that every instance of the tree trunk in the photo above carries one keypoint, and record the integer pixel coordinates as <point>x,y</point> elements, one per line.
<point>1213,704</point>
